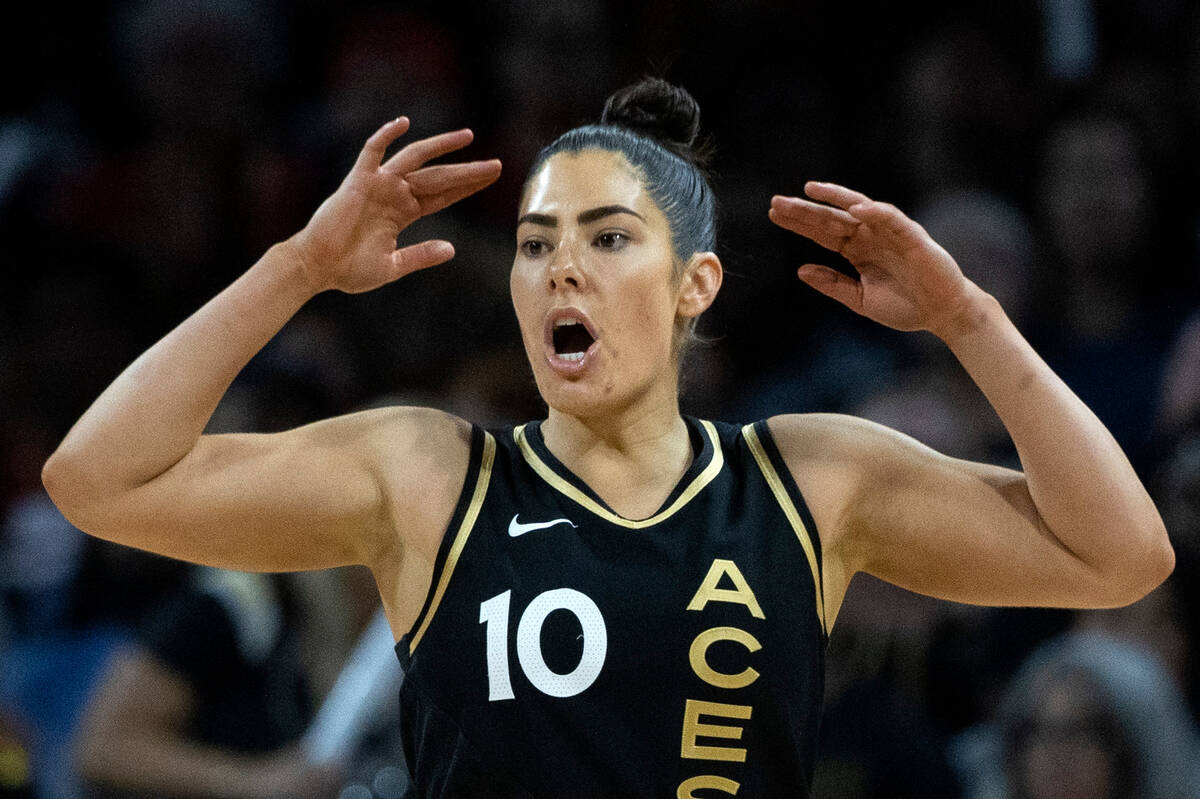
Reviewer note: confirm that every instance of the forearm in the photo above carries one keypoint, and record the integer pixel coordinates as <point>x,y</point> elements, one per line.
<point>153,413</point>
<point>1083,486</point>
<point>150,762</point>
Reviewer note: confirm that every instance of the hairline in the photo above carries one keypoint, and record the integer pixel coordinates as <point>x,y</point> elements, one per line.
<point>634,171</point>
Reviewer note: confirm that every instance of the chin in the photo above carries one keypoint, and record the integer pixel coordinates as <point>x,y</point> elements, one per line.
<point>580,398</point>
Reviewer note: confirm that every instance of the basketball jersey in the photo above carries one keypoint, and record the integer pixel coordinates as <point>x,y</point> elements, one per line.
<point>565,651</point>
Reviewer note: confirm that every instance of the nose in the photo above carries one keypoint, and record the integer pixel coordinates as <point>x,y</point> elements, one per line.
<point>564,270</point>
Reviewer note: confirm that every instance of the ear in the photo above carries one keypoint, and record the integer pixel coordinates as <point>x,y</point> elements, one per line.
<point>699,284</point>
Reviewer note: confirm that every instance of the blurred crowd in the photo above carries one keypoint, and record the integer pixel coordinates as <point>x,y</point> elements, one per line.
<point>150,150</point>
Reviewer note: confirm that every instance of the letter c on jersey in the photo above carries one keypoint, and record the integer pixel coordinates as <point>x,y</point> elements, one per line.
<point>698,656</point>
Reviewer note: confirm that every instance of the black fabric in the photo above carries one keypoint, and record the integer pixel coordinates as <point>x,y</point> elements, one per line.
<point>622,732</point>
<point>239,705</point>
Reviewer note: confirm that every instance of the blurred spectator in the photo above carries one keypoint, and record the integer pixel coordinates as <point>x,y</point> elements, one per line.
<point>200,71</point>
<point>1069,35</point>
<point>16,768</point>
<point>964,112</point>
<point>550,70</point>
<point>1089,717</point>
<point>388,61</point>
<point>992,241</point>
<point>207,701</point>
<point>1177,491</point>
<point>1180,404</point>
<point>1098,212</point>
<point>1154,624</point>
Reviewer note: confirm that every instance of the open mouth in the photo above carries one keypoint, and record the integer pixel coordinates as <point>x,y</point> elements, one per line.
<point>571,339</point>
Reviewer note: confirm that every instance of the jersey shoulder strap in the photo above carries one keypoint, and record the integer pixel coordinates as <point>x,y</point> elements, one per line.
<point>458,531</point>
<point>783,486</point>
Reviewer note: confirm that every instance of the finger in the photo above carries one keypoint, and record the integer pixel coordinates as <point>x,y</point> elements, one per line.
<point>834,194</point>
<point>437,202</point>
<point>829,227</point>
<point>830,240</point>
<point>799,208</point>
<point>833,284</point>
<point>422,150</point>
<point>439,178</point>
<point>421,256</point>
<point>888,220</point>
<point>372,152</point>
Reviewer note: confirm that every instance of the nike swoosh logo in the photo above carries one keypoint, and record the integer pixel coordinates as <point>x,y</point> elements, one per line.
<point>515,528</point>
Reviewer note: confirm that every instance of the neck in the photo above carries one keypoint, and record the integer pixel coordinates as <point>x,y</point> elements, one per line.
<point>631,458</point>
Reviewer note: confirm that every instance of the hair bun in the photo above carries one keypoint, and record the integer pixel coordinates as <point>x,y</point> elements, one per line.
<point>658,109</point>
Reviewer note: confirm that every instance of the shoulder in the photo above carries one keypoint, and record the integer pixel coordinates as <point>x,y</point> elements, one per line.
<point>851,442</point>
<point>419,458</point>
<point>404,438</point>
<point>836,440</point>
<point>839,462</point>
<point>426,433</point>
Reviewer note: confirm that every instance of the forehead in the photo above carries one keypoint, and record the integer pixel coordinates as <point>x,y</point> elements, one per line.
<point>570,182</point>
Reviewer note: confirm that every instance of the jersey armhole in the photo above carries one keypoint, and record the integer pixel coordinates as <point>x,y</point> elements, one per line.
<point>791,501</point>
<point>466,512</point>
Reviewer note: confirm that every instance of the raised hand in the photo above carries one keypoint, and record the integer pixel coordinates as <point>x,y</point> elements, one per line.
<point>350,242</point>
<point>905,279</point>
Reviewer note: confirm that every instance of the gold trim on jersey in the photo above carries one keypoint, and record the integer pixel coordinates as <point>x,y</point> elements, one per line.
<point>790,511</point>
<point>557,481</point>
<point>460,538</point>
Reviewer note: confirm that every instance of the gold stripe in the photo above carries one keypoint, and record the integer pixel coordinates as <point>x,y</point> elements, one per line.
<point>556,481</point>
<point>789,510</point>
<point>460,538</point>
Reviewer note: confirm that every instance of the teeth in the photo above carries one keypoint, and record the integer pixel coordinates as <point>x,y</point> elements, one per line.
<point>572,356</point>
<point>565,322</point>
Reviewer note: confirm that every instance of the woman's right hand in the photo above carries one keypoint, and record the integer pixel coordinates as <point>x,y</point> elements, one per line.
<point>350,242</point>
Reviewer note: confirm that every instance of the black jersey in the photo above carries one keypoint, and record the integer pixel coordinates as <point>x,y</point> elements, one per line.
<point>565,651</point>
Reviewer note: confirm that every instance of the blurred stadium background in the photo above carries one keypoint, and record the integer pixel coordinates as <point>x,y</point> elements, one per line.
<point>150,151</point>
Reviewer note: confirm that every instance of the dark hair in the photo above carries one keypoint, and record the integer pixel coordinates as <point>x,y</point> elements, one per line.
<point>655,124</point>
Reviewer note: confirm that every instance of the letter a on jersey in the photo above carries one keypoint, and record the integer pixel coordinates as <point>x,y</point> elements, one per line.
<point>739,594</point>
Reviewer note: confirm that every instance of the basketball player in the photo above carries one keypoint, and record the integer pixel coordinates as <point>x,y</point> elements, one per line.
<point>615,600</point>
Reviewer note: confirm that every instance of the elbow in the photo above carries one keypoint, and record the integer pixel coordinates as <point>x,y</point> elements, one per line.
<point>69,487</point>
<point>55,477</point>
<point>1161,560</point>
<point>57,480</point>
<point>1148,568</point>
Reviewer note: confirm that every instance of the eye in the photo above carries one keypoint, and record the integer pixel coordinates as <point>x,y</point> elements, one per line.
<point>532,248</point>
<point>612,240</point>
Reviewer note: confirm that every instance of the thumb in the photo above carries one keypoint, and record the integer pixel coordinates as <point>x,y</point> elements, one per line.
<point>421,256</point>
<point>833,284</point>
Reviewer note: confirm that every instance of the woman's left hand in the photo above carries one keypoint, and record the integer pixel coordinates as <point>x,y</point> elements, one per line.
<point>905,279</point>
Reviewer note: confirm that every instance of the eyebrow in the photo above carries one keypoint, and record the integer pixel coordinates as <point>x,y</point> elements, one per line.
<point>584,218</point>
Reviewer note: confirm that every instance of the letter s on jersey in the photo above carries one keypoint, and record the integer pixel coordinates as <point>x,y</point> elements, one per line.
<point>706,781</point>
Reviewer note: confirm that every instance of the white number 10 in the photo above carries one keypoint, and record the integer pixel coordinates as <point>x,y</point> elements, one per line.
<point>494,614</point>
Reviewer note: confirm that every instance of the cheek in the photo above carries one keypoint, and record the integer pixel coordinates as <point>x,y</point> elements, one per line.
<point>519,291</point>
<point>651,318</point>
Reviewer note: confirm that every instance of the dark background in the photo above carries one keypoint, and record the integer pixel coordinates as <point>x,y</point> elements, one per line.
<point>150,152</point>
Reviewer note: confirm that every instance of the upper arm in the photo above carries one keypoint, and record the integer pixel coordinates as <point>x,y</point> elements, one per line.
<point>949,528</point>
<point>344,490</point>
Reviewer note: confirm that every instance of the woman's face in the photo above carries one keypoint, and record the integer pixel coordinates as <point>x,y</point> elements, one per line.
<point>592,285</point>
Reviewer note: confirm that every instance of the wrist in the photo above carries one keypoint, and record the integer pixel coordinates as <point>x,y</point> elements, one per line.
<point>977,312</point>
<point>295,265</point>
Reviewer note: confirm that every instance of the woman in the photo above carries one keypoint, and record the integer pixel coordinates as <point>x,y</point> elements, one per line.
<point>616,600</point>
